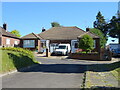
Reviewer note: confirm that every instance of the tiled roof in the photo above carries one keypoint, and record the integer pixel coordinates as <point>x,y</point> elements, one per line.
<point>89,33</point>
<point>62,33</point>
<point>31,36</point>
<point>7,33</point>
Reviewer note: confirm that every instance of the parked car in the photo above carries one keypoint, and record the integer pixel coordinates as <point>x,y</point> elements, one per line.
<point>62,49</point>
<point>115,49</point>
<point>116,52</point>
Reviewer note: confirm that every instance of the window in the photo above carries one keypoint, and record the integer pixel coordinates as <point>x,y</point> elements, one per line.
<point>76,45</point>
<point>29,43</point>
<point>94,44</point>
<point>62,47</point>
<point>7,41</point>
<point>16,42</point>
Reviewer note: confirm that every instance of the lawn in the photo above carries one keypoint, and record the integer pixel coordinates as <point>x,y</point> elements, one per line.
<point>116,73</point>
<point>12,60</point>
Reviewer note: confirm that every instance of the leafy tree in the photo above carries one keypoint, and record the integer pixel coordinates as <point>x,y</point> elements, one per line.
<point>16,33</point>
<point>114,30</point>
<point>55,24</point>
<point>101,35</point>
<point>86,43</point>
<point>101,24</point>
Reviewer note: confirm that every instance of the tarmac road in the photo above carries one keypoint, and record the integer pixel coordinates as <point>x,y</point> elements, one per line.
<point>50,74</point>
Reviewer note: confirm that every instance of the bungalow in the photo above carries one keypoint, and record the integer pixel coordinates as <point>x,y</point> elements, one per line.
<point>8,39</point>
<point>31,41</point>
<point>58,35</point>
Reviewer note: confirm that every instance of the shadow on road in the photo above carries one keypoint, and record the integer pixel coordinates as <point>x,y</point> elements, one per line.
<point>72,68</point>
<point>60,68</point>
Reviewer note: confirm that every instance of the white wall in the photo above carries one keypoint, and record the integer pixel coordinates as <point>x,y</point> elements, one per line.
<point>73,49</point>
<point>47,44</point>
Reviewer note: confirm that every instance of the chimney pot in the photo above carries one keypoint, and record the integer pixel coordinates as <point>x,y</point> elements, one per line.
<point>87,29</point>
<point>5,26</point>
<point>43,29</point>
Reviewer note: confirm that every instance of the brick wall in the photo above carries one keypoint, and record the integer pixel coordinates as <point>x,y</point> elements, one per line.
<point>83,56</point>
<point>39,45</point>
<point>12,41</point>
<point>97,48</point>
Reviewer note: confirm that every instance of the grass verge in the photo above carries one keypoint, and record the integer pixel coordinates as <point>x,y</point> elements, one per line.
<point>116,73</point>
<point>12,60</point>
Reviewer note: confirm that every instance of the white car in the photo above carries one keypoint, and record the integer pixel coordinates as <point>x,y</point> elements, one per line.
<point>63,49</point>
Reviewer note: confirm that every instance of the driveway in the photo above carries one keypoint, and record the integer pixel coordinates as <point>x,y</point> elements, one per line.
<point>52,73</point>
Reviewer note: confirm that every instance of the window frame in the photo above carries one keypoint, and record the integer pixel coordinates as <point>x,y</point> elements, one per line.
<point>8,41</point>
<point>28,43</point>
<point>15,42</point>
<point>76,46</point>
<point>94,46</point>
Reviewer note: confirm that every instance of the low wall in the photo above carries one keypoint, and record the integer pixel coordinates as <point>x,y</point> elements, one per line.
<point>85,56</point>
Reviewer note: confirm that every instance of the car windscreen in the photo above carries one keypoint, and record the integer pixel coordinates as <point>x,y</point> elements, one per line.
<point>61,47</point>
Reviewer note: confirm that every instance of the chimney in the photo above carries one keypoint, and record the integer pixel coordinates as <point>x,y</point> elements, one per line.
<point>43,29</point>
<point>5,26</point>
<point>87,29</point>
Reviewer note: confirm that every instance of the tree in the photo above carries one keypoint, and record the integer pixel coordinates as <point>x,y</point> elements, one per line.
<point>114,30</point>
<point>101,24</point>
<point>55,24</point>
<point>16,33</point>
<point>101,35</point>
<point>86,43</point>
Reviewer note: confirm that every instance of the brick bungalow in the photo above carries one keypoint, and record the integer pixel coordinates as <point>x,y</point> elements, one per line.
<point>52,37</point>
<point>67,35</point>
<point>31,41</point>
<point>8,39</point>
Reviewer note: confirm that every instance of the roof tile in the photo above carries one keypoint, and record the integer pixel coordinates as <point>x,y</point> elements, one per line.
<point>7,33</point>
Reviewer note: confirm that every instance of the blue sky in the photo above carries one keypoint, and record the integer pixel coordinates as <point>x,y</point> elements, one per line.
<point>30,17</point>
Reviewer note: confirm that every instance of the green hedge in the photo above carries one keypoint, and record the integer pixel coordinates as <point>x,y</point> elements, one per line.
<point>16,58</point>
<point>17,49</point>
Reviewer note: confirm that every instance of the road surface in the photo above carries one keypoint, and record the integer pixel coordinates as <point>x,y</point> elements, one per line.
<point>52,73</point>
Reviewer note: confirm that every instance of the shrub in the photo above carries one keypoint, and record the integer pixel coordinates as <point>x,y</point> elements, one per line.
<point>16,58</point>
<point>86,43</point>
<point>17,49</point>
<point>101,35</point>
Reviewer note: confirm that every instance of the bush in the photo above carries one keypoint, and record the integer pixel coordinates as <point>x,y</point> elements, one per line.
<point>86,43</point>
<point>17,49</point>
<point>101,35</point>
<point>16,58</point>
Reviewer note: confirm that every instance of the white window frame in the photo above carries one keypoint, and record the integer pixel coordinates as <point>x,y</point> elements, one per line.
<point>94,44</point>
<point>8,41</point>
<point>29,43</point>
<point>16,42</point>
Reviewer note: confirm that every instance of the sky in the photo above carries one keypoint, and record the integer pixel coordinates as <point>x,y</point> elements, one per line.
<point>28,17</point>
